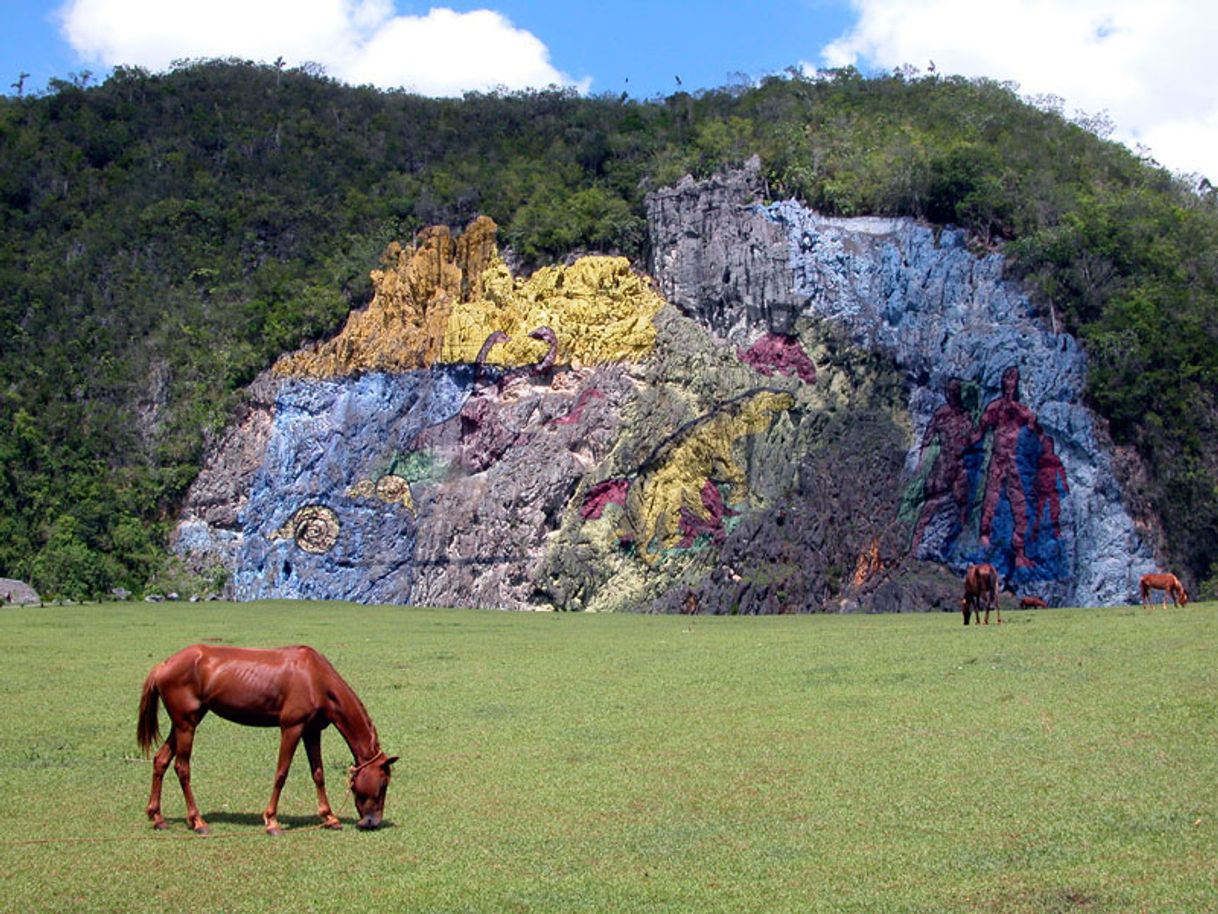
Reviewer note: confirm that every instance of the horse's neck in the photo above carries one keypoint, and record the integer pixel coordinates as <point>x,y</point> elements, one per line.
<point>351,719</point>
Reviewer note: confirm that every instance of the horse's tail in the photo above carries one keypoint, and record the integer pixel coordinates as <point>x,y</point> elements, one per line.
<point>148,731</point>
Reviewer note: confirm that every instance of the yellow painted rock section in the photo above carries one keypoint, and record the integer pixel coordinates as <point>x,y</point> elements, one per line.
<point>439,300</point>
<point>705,453</point>
<point>599,309</point>
<point>390,488</point>
<point>402,328</point>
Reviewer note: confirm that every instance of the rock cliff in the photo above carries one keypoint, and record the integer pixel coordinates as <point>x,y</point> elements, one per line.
<point>798,414</point>
<point>1005,463</point>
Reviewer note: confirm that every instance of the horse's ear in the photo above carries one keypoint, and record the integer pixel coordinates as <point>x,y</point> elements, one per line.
<point>389,761</point>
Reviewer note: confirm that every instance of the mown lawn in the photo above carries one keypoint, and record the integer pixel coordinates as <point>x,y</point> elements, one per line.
<point>1065,761</point>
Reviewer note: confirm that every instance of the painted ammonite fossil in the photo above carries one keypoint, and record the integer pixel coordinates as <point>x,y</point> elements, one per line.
<point>314,528</point>
<point>390,488</point>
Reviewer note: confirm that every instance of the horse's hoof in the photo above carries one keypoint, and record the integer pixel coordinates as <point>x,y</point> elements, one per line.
<point>160,826</point>
<point>333,826</point>
<point>202,830</point>
<point>274,832</point>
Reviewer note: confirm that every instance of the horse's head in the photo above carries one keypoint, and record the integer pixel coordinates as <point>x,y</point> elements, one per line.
<point>369,782</point>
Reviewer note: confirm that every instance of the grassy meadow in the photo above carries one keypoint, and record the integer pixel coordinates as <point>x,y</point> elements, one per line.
<point>1065,761</point>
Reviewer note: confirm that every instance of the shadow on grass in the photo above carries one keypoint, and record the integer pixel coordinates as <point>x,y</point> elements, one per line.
<point>254,819</point>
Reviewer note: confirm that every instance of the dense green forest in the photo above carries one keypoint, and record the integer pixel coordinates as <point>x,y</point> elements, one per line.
<point>164,236</point>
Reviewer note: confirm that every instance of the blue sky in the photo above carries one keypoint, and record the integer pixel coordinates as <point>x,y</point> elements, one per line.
<point>641,47</point>
<point>1146,66</point>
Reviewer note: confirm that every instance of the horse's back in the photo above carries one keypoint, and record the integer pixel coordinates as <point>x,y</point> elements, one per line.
<point>980,579</point>
<point>253,686</point>
<point>1166,582</point>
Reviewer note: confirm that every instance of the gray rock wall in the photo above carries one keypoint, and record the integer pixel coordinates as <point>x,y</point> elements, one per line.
<point>716,261</point>
<point>17,592</point>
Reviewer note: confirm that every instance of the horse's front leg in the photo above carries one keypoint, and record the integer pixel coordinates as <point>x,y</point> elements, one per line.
<point>312,741</point>
<point>288,738</point>
<point>160,764</point>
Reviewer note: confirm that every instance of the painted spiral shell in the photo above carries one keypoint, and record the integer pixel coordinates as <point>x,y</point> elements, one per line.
<point>314,528</point>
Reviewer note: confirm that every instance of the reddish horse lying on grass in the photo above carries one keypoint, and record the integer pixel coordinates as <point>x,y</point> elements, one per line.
<point>1168,583</point>
<point>980,592</point>
<point>1032,603</point>
<point>292,688</point>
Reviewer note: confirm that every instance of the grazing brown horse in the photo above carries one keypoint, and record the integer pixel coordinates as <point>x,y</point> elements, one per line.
<point>980,592</point>
<point>1032,603</point>
<point>292,688</point>
<point>1168,583</point>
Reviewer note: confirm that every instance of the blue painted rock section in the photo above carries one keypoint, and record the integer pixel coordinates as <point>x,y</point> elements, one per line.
<point>1027,485</point>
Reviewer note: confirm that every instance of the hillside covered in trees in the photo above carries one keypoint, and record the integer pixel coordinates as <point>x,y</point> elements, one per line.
<point>163,238</point>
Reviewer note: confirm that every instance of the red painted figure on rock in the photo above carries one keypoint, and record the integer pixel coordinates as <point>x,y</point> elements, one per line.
<point>1005,417</point>
<point>1048,471</point>
<point>952,424</point>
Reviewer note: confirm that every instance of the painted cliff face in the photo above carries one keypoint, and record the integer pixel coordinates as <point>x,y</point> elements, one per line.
<point>797,413</point>
<point>1005,466</point>
<point>429,451</point>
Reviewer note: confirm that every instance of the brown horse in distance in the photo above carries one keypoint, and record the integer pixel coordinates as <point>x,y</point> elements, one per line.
<point>293,688</point>
<point>1032,603</point>
<point>1168,583</point>
<point>980,592</point>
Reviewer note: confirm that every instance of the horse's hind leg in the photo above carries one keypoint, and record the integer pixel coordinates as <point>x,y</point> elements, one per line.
<point>160,762</point>
<point>312,741</point>
<point>183,742</point>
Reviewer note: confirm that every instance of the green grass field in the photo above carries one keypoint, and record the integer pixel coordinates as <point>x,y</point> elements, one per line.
<point>1065,761</point>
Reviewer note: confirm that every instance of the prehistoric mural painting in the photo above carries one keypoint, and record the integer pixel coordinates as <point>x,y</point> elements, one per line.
<point>817,414</point>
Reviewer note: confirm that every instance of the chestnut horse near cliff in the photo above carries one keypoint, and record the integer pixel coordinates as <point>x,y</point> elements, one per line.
<point>1168,583</point>
<point>292,688</point>
<point>980,592</point>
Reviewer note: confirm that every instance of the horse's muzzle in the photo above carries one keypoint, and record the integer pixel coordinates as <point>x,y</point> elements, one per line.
<point>368,823</point>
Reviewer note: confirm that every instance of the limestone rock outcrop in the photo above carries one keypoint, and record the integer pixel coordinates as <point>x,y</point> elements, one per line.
<point>797,414</point>
<point>17,592</point>
<point>1023,481</point>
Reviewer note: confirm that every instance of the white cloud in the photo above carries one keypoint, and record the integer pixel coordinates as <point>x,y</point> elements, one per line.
<point>358,41</point>
<point>1146,64</point>
<point>444,53</point>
